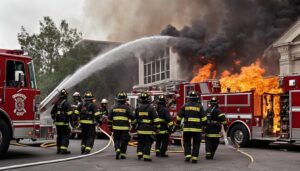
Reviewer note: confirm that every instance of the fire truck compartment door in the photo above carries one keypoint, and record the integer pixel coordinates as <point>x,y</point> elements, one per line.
<point>295,114</point>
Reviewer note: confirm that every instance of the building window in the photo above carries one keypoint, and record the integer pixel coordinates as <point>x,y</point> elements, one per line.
<point>157,69</point>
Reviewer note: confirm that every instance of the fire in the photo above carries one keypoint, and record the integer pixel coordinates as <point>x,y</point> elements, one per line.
<point>204,73</point>
<point>250,78</point>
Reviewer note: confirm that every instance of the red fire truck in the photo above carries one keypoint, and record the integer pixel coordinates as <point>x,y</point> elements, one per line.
<point>267,117</point>
<point>19,118</point>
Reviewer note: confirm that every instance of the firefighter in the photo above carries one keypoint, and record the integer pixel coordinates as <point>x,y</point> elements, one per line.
<point>88,116</point>
<point>215,120</point>
<point>194,119</point>
<point>103,107</point>
<point>147,124</point>
<point>119,119</point>
<point>166,123</point>
<point>76,107</point>
<point>61,114</point>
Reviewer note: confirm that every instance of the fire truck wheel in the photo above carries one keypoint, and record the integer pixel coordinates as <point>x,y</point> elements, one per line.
<point>239,135</point>
<point>4,137</point>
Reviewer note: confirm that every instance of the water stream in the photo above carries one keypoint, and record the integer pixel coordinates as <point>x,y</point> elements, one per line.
<point>119,54</point>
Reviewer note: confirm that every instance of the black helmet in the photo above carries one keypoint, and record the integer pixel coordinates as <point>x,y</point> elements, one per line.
<point>63,93</point>
<point>213,101</point>
<point>161,99</point>
<point>145,97</point>
<point>121,96</point>
<point>193,95</point>
<point>88,96</point>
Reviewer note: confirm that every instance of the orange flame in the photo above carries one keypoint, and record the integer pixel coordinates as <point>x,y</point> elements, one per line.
<point>250,78</point>
<point>204,73</point>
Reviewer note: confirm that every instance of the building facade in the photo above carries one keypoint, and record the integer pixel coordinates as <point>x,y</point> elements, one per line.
<point>288,45</point>
<point>159,70</point>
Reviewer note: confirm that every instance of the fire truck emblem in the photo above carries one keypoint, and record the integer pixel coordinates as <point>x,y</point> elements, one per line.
<point>19,104</point>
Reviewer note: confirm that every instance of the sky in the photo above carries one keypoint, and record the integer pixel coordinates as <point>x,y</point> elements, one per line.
<point>28,13</point>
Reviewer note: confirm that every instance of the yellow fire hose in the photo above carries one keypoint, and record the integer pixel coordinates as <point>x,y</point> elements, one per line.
<point>18,144</point>
<point>46,145</point>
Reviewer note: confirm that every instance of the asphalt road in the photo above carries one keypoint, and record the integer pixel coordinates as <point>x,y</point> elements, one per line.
<point>265,158</point>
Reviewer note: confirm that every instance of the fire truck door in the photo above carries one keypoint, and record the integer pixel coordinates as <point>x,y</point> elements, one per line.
<point>19,104</point>
<point>295,114</point>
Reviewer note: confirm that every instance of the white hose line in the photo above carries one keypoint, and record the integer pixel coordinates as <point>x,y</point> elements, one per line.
<point>231,145</point>
<point>248,155</point>
<point>60,160</point>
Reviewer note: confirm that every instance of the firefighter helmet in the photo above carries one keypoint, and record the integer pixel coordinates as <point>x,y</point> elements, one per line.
<point>76,94</point>
<point>213,101</point>
<point>88,96</point>
<point>193,95</point>
<point>104,101</point>
<point>63,93</point>
<point>161,99</point>
<point>121,97</point>
<point>145,97</point>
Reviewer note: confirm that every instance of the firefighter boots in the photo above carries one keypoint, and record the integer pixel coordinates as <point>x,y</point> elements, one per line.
<point>117,155</point>
<point>147,159</point>
<point>65,152</point>
<point>187,159</point>
<point>123,156</point>
<point>140,156</point>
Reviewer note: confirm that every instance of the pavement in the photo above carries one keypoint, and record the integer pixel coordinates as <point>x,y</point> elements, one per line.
<point>265,158</point>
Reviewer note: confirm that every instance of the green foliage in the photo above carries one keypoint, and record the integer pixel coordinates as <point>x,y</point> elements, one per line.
<point>48,48</point>
<point>57,54</point>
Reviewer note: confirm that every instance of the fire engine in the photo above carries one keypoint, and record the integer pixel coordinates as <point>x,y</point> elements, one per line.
<point>19,117</point>
<point>267,117</point>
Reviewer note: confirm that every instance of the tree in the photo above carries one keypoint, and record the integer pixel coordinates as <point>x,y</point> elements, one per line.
<point>48,48</point>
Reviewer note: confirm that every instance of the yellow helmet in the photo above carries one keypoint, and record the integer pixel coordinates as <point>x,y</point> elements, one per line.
<point>88,96</point>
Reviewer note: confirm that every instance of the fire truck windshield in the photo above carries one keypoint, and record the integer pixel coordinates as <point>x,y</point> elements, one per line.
<point>32,75</point>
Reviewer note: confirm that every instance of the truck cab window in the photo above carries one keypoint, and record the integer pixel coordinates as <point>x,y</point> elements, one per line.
<point>32,75</point>
<point>12,69</point>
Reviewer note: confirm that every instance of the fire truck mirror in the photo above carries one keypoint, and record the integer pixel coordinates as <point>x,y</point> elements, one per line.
<point>292,83</point>
<point>19,78</point>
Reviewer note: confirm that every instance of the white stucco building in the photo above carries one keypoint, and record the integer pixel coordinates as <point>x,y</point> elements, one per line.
<point>159,70</point>
<point>288,45</point>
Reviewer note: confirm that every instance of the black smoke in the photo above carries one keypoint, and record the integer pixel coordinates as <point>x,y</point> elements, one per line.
<point>245,29</point>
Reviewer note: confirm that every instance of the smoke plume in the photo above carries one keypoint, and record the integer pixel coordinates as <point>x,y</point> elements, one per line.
<point>246,29</point>
<point>221,31</point>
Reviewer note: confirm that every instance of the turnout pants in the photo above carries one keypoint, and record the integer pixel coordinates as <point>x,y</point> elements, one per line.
<point>187,142</point>
<point>62,140</point>
<point>211,145</point>
<point>121,139</point>
<point>144,145</point>
<point>88,136</point>
<point>162,141</point>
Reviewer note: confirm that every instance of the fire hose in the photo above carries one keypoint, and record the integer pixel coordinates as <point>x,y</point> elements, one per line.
<point>234,146</point>
<point>60,160</point>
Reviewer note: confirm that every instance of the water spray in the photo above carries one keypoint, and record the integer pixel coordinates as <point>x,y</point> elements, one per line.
<point>121,53</point>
